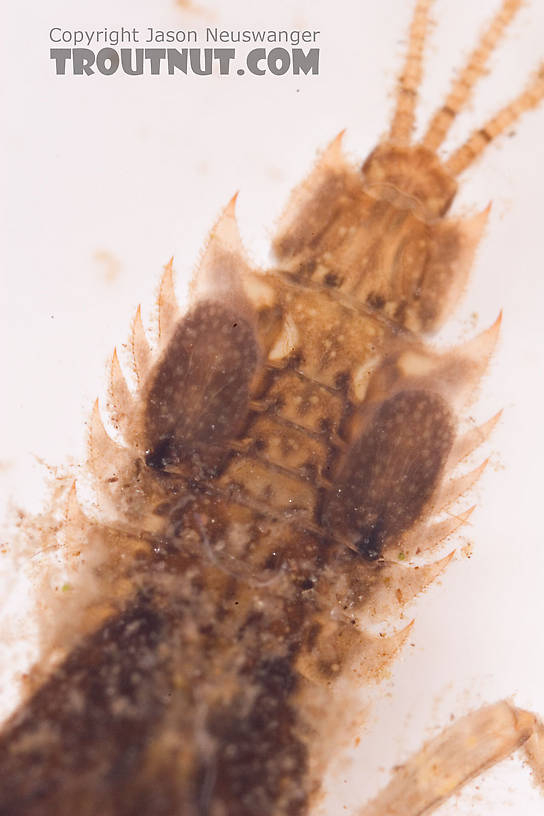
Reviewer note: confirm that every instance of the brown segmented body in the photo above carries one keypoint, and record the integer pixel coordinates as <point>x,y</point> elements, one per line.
<point>242,543</point>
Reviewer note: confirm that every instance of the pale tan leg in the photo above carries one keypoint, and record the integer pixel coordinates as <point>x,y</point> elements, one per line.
<point>457,755</point>
<point>476,144</point>
<point>410,78</point>
<point>468,77</point>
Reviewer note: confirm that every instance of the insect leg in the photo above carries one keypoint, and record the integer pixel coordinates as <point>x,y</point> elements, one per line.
<point>457,755</point>
<point>529,98</point>
<point>469,76</point>
<point>410,78</point>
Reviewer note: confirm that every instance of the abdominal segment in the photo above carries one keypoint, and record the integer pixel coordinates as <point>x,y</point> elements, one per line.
<point>162,711</point>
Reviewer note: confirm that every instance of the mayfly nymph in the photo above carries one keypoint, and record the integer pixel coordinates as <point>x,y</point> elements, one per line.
<point>277,473</point>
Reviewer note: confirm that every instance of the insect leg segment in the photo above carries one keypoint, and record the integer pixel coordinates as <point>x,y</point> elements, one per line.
<point>528,99</point>
<point>460,93</point>
<point>457,755</point>
<point>404,117</point>
<point>469,76</point>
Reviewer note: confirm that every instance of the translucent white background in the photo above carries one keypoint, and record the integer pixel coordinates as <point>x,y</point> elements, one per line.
<point>135,169</point>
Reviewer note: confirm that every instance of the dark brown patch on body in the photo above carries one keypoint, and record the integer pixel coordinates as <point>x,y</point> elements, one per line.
<point>76,746</point>
<point>95,738</point>
<point>390,474</point>
<point>199,394</point>
<point>262,738</point>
